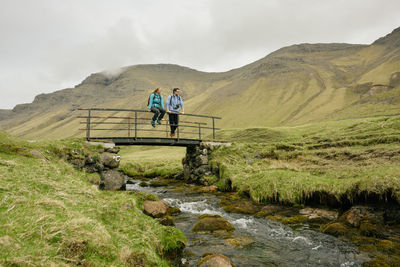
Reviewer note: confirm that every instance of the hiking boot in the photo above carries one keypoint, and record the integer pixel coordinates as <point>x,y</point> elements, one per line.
<point>153,123</point>
<point>172,135</point>
<point>158,122</point>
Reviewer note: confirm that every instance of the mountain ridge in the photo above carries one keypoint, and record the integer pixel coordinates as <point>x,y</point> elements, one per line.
<point>293,85</point>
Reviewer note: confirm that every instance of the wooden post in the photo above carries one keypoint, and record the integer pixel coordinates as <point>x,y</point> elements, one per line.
<point>213,128</point>
<point>129,127</point>
<point>135,125</point>
<point>88,126</point>
<point>199,131</point>
<point>166,129</point>
<point>177,125</point>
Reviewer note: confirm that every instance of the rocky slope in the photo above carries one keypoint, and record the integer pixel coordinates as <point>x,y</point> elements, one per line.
<point>293,85</point>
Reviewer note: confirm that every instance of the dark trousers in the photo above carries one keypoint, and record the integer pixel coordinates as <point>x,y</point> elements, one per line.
<point>173,122</point>
<point>158,113</point>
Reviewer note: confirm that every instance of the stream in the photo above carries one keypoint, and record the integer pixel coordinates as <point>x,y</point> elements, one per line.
<point>254,242</point>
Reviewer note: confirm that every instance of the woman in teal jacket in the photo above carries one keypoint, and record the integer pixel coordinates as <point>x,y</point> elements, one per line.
<point>156,105</point>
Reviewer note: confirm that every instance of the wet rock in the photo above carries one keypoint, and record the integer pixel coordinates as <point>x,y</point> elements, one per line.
<point>174,210</point>
<point>234,203</point>
<point>369,228</point>
<point>356,214</point>
<point>298,219</point>
<point>166,220</point>
<point>112,180</point>
<point>155,209</point>
<point>143,184</point>
<point>335,229</point>
<point>316,213</point>
<point>211,188</point>
<point>240,241</point>
<point>268,210</point>
<point>215,260</point>
<point>212,223</point>
<point>392,215</point>
<point>110,160</point>
<point>158,183</point>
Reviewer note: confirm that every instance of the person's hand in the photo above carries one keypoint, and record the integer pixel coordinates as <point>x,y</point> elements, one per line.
<point>168,111</point>
<point>182,112</point>
<point>148,110</point>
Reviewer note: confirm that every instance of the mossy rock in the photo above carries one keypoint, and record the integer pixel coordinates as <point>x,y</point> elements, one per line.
<point>174,210</point>
<point>212,223</point>
<point>239,206</point>
<point>378,261</point>
<point>173,242</point>
<point>368,228</point>
<point>298,219</point>
<point>215,260</point>
<point>268,210</point>
<point>143,184</point>
<point>388,246</point>
<point>335,229</point>
<point>158,183</point>
<point>369,248</point>
<point>166,220</point>
<point>240,241</point>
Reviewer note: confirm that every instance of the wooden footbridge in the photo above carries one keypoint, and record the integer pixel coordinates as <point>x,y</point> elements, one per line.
<point>132,127</point>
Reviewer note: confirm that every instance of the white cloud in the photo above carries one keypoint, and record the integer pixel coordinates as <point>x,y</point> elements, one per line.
<point>47,45</point>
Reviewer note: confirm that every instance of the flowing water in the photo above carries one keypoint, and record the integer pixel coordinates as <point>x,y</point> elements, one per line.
<point>260,242</point>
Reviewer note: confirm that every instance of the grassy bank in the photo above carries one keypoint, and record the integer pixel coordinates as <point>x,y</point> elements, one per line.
<point>51,215</point>
<point>344,160</point>
<point>152,161</point>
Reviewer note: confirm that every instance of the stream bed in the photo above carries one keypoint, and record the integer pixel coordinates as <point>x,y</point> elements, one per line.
<point>255,241</point>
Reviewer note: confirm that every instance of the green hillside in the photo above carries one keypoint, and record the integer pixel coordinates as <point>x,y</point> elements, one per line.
<point>52,215</point>
<point>291,86</point>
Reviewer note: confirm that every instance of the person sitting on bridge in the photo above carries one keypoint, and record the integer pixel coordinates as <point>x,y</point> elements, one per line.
<point>156,105</point>
<point>174,104</point>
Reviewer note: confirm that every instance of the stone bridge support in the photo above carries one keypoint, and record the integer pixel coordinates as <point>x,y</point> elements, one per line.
<point>196,163</point>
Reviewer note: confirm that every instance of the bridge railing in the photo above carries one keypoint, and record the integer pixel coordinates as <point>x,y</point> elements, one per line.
<point>135,123</point>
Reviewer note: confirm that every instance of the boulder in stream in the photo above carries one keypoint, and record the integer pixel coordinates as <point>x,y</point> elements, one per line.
<point>155,209</point>
<point>212,223</point>
<point>215,260</point>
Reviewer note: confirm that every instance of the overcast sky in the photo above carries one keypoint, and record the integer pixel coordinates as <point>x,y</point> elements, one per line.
<point>47,45</point>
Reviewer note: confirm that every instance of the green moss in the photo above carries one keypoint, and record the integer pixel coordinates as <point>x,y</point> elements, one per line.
<point>212,223</point>
<point>210,179</point>
<point>388,246</point>
<point>294,220</point>
<point>367,248</point>
<point>173,242</point>
<point>335,229</point>
<point>379,261</point>
<point>368,228</point>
